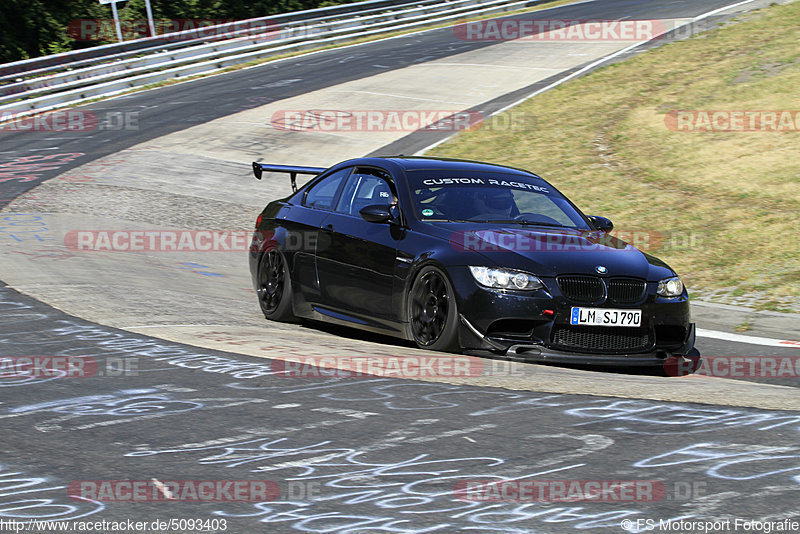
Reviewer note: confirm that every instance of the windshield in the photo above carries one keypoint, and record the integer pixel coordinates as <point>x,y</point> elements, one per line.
<point>490,198</point>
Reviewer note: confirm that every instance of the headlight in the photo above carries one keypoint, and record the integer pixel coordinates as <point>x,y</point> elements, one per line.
<point>670,287</point>
<point>505,279</point>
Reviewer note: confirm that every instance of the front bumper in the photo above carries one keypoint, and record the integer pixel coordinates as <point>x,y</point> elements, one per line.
<point>535,326</point>
<point>540,353</point>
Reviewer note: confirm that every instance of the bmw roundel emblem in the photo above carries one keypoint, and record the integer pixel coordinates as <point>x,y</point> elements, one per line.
<point>601,269</point>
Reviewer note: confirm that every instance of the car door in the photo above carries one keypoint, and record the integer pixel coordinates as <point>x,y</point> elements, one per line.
<point>302,237</point>
<point>356,259</point>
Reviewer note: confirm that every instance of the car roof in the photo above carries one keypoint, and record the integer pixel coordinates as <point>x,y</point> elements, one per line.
<point>427,162</point>
<point>413,163</point>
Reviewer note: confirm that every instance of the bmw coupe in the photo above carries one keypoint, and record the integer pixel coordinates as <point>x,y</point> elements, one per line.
<point>459,255</point>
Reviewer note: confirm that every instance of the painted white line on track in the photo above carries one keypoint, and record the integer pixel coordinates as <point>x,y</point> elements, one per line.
<point>712,13</point>
<point>739,338</point>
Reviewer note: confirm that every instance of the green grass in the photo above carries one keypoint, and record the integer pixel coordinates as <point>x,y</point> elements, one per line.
<point>602,139</point>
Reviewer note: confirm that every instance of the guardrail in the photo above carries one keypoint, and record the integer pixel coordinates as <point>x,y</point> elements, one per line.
<point>120,56</point>
<point>50,82</point>
<point>138,45</point>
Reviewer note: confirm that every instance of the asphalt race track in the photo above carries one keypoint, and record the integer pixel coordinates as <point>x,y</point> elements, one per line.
<point>183,380</point>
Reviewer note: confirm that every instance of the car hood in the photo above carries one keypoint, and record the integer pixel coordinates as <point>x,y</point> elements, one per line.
<point>552,251</point>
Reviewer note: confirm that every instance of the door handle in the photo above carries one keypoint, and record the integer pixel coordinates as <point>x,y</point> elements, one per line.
<point>329,227</point>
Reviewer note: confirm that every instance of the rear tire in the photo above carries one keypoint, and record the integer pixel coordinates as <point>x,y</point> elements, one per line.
<point>433,312</point>
<point>275,287</point>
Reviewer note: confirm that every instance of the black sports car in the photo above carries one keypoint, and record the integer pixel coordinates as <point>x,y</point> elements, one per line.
<point>462,255</point>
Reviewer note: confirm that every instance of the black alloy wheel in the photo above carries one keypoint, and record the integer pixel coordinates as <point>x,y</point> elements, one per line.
<point>274,287</point>
<point>433,316</point>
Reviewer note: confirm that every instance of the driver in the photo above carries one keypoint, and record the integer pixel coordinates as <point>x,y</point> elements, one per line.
<point>383,194</point>
<point>496,203</point>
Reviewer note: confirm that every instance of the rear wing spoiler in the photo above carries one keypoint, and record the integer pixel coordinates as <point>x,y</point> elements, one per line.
<point>293,170</point>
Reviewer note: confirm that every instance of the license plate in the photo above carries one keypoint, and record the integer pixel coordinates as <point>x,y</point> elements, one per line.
<point>606,317</point>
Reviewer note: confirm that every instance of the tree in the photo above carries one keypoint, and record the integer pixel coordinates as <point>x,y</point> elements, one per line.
<point>33,28</point>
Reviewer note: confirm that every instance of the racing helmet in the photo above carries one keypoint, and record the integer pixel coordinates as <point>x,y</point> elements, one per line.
<point>497,198</point>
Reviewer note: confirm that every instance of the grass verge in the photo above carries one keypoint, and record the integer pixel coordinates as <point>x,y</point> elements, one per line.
<point>726,203</point>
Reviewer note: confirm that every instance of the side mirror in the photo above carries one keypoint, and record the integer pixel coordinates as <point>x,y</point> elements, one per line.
<point>376,213</point>
<point>601,223</point>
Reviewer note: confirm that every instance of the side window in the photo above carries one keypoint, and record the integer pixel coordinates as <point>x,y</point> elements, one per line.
<point>365,187</point>
<point>323,193</point>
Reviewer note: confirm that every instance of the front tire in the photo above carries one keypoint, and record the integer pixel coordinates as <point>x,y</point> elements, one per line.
<point>275,287</point>
<point>433,312</point>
